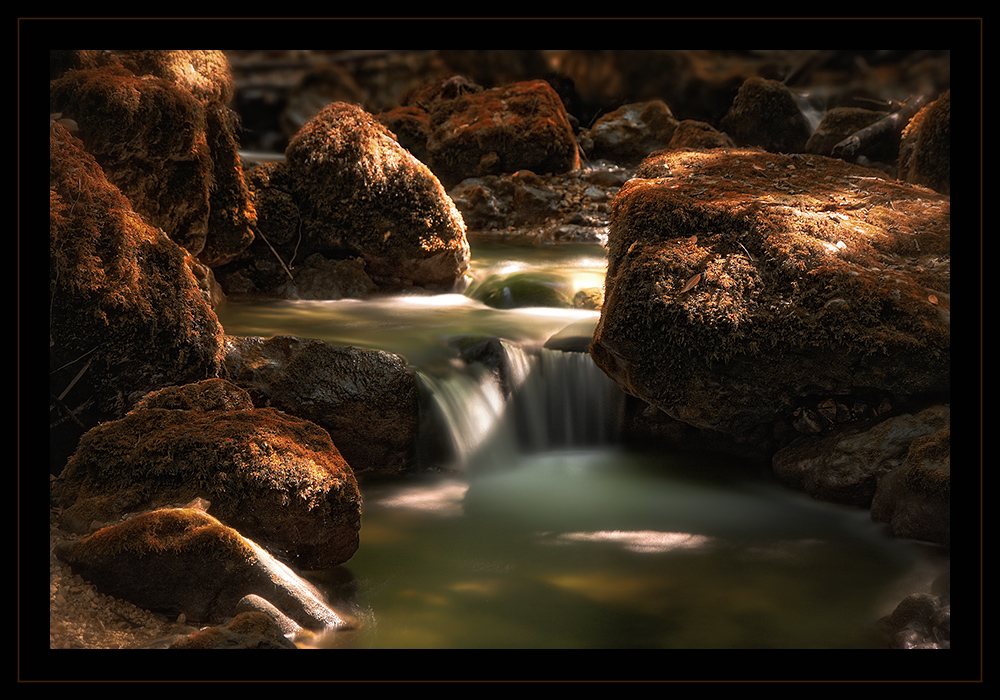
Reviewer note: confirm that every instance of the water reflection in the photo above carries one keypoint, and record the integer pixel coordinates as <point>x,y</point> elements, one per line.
<point>643,541</point>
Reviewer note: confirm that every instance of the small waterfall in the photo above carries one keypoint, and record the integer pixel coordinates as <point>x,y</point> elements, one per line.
<point>518,401</point>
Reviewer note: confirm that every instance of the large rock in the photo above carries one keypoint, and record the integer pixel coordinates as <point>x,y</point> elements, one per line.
<point>158,123</point>
<point>366,399</point>
<point>126,315</point>
<point>630,133</point>
<point>184,561</point>
<point>349,191</point>
<point>766,113</point>
<point>274,477</point>
<point>523,126</point>
<point>742,286</point>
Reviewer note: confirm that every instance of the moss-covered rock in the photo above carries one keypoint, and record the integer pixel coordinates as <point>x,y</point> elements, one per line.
<point>349,191</point>
<point>126,312</point>
<point>366,399</point>
<point>743,284</point>
<point>159,125</point>
<point>276,478</point>
<point>522,126</point>
<point>915,498</point>
<point>925,149</point>
<point>184,561</point>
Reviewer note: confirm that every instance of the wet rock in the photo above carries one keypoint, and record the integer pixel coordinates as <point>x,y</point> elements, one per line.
<point>848,464</point>
<point>183,561</point>
<point>630,133</point>
<point>277,478</point>
<point>158,124</point>
<point>920,621</point>
<point>365,399</point>
<point>248,630</point>
<point>915,497</point>
<point>767,114</point>
<point>925,150</point>
<point>741,282</point>
<point>126,312</point>
<point>523,126</point>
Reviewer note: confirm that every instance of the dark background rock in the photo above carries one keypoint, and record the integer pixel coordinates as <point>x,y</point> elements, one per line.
<point>366,399</point>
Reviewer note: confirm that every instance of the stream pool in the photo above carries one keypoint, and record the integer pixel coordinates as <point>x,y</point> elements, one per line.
<point>577,542</point>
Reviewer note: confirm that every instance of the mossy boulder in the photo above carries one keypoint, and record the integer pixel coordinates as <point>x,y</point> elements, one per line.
<point>925,147</point>
<point>767,114</point>
<point>743,285</point>
<point>629,133</point>
<point>126,312</point>
<point>159,125</point>
<point>185,561</point>
<point>850,462</point>
<point>521,126</point>
<point>274,477</point>
<point>347,190</point>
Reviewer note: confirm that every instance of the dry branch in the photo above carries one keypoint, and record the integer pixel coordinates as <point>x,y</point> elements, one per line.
<point>856,142</point>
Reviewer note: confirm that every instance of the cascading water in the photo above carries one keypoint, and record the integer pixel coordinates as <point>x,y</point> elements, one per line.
<point>537,527</point>
<point>527,401</point>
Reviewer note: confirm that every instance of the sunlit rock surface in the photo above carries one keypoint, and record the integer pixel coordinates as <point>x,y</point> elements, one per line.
<point>744,285</point>
<point>184,561</point>
<point>276,478</point>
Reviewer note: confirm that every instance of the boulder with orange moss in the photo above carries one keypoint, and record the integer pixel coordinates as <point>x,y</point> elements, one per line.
<point>276,478</point>
<point>925,147</point>
<point>126,312</point>
<point>348,191</point>
<point>522,126</point>
<point>159,125</point>
<point>744,287</point>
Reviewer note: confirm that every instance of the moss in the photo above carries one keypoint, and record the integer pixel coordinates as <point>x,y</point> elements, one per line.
<point>171,531</point>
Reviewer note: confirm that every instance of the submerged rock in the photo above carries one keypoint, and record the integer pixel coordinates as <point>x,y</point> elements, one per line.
<point>742,285</point>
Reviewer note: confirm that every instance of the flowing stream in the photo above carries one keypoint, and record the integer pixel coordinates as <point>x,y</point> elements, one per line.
<point>543,530</point>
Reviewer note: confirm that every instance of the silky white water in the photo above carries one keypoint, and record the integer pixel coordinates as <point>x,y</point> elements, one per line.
<point>539,528</point>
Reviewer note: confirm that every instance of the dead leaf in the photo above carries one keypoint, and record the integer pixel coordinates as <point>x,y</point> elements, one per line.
<point>932,299</point>
<point>690,283</point>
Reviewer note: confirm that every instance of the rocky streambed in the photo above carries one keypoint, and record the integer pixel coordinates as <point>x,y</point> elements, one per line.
<point>764,300</point>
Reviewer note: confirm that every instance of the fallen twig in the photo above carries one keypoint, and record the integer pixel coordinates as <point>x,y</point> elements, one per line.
<point>856,142</point>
